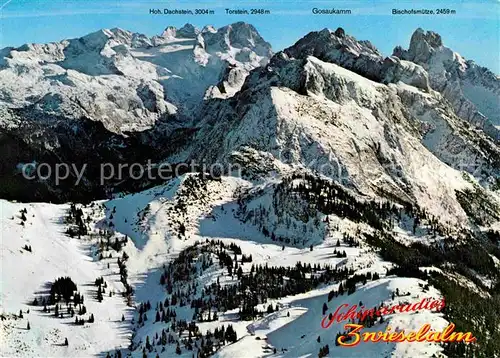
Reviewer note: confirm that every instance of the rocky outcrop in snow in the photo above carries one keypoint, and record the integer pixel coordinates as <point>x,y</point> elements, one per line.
<point>369,136</point>
<point>358,56</point>
<point>474,91</point>
<point>127,80</point>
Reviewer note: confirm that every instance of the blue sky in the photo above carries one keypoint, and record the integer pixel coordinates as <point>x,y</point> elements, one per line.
<point>473,31</point>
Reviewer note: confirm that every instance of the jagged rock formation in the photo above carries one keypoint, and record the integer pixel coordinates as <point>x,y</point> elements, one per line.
<point>317,115</point>
<point>136,89</point>
<point>126,80</point>
<point>327,101</point>
<point>474,91</point>
<point>351,160</point>
<point>358,56</point>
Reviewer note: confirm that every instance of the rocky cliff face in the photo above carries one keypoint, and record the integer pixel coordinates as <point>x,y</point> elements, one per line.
<point>141,92</point>
<point>473,91</point>
<point>382,159</point>
<point>126,80</point>
<point>360,57</point>
<point>314,71</point>
<point>371,137</point>
<point>329,101</point>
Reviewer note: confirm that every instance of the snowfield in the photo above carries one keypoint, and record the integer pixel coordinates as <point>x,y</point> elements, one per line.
<point>365,181</point>
<point>25,276</point>
<point>146,221</point>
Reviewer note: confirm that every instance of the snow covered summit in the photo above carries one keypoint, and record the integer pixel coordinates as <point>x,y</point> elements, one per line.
<point>474,91</point>
<point>362,184</point>
<point>127,80</point>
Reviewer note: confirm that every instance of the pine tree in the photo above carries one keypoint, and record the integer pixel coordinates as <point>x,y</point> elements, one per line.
<point>99,294</point>
<point>28,326</point>
<point>66,341</point>
<point>123,318</point>
<point>230,334</point>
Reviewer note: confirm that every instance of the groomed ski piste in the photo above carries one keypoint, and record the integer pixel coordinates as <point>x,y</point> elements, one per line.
<point>149,222</point>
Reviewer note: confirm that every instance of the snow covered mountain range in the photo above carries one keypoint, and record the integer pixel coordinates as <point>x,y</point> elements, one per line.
<point>126,80</point>
<point>366,180</point>
<point>57,98</point>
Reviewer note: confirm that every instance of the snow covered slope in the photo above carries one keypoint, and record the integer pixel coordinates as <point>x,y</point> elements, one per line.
<point>150,234</point>
<point>127,80</point>
<point>474,91</point>
<point>361,184</point>
<point>367,135</point>
<point>27,275</point>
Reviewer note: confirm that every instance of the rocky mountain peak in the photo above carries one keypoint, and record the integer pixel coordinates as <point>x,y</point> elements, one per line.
<point>118,33</point>
<point>342,49</point>
<point>242,34</point>
<point>95,40</point>
<point>330,45</point>
<point>340,32</point>
<point>170,31</point>
<point>473,90</point>
<point>188,31</point>
<point>118,77</point>
<point>208,28</point>
<point>329,142</point>
<point>239,35</point>
<point>430,37</point>
<point>422,45</point>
